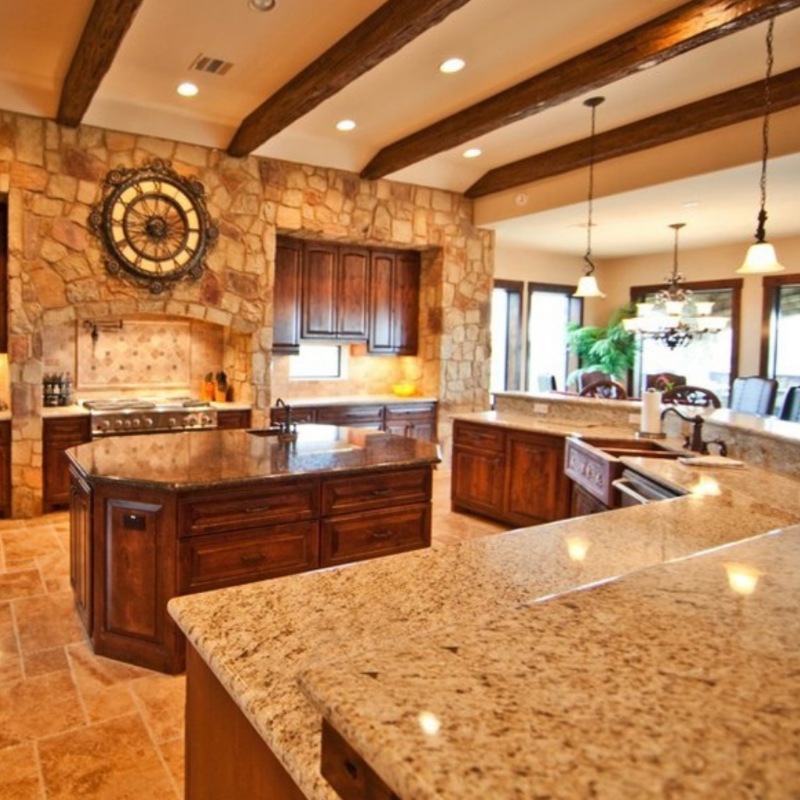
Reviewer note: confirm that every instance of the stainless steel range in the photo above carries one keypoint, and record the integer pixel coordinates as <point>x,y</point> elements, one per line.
<point>126,416</point>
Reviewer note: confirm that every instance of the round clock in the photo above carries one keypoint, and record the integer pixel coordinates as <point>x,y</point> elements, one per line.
<point>154,225</point>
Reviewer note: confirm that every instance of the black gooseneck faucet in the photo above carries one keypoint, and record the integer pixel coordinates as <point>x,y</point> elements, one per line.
<point>695,441</point>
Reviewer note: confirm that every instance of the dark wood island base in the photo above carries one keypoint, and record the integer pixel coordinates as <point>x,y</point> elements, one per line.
<point>158,516</point>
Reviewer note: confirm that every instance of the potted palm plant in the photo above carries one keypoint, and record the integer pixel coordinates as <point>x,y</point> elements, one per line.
<point>609,349</point>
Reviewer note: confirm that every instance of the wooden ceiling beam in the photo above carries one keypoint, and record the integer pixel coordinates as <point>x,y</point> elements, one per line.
<point>102,35</point>
<point>689,26</point>
<point>380,35</point>
<point>719,111</point>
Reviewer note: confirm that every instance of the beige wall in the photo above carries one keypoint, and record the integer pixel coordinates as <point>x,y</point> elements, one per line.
<point>616,276</point>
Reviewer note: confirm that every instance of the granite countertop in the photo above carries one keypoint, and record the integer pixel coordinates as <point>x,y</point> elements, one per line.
<point>195,459</point>
<point>262,639</point>
<point>361,399</point>
<point>676,681</point>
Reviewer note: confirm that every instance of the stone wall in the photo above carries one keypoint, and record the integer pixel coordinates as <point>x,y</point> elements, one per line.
<point>52,175</point>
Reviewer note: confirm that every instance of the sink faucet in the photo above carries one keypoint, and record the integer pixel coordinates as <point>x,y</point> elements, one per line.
<point>286,425</point>
<point>695,441</point>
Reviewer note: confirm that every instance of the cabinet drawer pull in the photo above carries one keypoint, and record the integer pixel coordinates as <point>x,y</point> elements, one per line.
<point>255,509</point>
<point>381,492</point>
<point>387,534</point>
<point>352,769</point>
<point>253,560</point>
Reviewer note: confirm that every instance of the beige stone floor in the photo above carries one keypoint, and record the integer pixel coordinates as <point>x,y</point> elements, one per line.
<point>75,725</point>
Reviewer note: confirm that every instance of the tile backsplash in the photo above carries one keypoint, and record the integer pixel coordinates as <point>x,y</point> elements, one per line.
<point>135,356</point>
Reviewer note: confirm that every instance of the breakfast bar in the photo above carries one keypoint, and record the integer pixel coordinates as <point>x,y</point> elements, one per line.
<point>467,671</point>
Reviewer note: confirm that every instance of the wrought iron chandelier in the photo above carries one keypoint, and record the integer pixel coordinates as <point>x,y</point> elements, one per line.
<point>674,317</point>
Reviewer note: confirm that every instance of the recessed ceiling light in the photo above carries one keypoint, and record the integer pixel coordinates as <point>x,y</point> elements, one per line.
<point>451,65</point>
<point>262,5</point>
<point>187,89</point>
<point>345,125</point>
<point>472,152</point>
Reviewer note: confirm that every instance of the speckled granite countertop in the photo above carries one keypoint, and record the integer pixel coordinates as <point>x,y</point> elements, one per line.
<point>261,639</point>
<point>201,458</point>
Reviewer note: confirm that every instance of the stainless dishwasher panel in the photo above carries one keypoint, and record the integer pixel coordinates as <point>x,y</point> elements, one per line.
<point>635,490</point>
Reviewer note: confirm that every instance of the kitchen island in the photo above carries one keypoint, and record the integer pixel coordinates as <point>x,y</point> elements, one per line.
<point>161,515</point>
<point>388,650</point>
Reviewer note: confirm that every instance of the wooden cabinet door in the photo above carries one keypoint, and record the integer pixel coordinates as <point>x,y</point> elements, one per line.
<point>286,296</point>
<point>59,434</point>
<point>583,503</point>
<point>5,468</point>
<point>319,291</point>
<point>536,488</point>
<point>80,549</point>
<point>351,294</point>
<point>394,302</point>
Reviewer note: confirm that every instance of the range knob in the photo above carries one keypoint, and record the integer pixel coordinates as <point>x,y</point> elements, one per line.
<point>190,421</point>
<point>147,422</point>
<point>136,422</point>
<point>104,425</point>
<point>117,424</point>
<point>126,424</point>
<point>172,422</point>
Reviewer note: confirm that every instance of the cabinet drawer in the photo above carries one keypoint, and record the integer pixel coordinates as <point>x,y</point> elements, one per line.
<point>299,415</point>
<point>209,562</point>
<point>403,411</point>
<point>66,431</point>
<point>236,418</point>
<point>346,770</point>
<point>350,415</point>
<point>240,509</point>
<point>365,492</point>
<point>358,536</point>
<point>478,436</point>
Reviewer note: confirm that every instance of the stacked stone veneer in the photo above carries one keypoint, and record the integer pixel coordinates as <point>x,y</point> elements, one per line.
<point>52,175</point>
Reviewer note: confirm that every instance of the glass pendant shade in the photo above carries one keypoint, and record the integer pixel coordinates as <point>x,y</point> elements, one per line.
<point>587,287</point>
<point>760,259</point>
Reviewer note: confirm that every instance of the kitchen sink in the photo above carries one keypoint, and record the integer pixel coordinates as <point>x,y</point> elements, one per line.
<point>594,463</point>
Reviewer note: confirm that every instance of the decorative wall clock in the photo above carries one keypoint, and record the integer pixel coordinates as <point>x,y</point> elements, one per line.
<point>154,225</point>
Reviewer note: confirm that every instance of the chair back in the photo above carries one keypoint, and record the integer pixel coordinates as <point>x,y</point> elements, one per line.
<point>754,395</point>
<point>664,381</point>
<point>691,396</point>
<point>791,405</point>
<point>546,383</point>
<point>610,390</point>
<point>587,378</point>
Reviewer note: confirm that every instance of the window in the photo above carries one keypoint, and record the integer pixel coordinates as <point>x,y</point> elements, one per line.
<point>317,361</point>
<point>550,309</point>
<point>780,356</point>
<point>710,361</point>
<point>506,336</point>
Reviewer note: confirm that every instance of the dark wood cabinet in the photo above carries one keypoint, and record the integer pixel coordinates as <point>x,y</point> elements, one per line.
<point>509,475</point>
<point>3,276</point>
<point>80,548</point>
<point>234,418</point>
<point>59,434</point>
<point>394,302</point>
<point>5,468</point>
<point>334,292</point>
<point>417,420</point>
<point>286,293</point>
<point>583,503</point>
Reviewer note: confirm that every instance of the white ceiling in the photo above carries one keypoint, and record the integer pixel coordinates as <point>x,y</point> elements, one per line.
<point>503,42</point>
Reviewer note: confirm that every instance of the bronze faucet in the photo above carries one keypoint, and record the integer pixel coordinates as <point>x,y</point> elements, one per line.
<point>695,441</point>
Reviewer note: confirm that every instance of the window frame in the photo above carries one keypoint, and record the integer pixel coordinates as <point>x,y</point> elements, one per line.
<point>770,285</point>
<point>514,371</point>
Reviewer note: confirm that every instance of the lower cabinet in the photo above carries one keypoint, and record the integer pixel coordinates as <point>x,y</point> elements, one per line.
<point>58,435</point>
<point>234,418</point>
<point>583,503</point>
<point>133,548</point>
<point>5,468</point>
<point>509,475</point>
<point>414,420</point>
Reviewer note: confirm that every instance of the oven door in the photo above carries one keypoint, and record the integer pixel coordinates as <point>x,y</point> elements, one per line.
<point>636,490</point>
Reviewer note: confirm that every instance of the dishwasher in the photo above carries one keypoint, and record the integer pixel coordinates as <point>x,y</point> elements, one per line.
<point>635,489</point>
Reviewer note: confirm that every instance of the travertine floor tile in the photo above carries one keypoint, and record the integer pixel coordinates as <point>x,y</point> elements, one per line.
<point>19,773</point>
<point>21,583</point>
<point>23,546</point>
<point>173,753</point>
<point>41,662</point>
<point>162,702</point>
<point>47,621</point>
<point>113,760</point>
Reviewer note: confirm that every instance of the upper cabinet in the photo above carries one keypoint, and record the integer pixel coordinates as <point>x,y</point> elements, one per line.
<point>335,292</point>
<point>394,302</point>
<point>335,281</point>
<point>286,296</point>
<point>3,277</point>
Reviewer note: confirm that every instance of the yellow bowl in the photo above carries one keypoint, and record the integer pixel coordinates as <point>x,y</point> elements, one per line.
<point>404,389</point>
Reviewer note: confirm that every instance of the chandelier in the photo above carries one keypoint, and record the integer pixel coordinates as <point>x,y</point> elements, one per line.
<point>674,317</point>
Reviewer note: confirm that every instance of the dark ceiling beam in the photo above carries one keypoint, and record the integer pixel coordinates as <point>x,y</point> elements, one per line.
<point>689,26</point>
<point>380,35</point>
<point>105,29</point>
<point>719,111</point>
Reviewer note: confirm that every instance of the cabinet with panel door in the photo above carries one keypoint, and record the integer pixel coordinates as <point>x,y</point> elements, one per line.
<point>394,302</point>
<point>286,295</point>
<point>228,418</point>
<point>334,292</point>
<point>5,468</point>
<point>509,475</point>
<point>59,434</point>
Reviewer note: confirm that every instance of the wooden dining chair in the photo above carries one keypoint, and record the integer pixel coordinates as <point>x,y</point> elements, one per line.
<point>790,410</point>
<point>609,390</point>
<point>587,378</point>
<point>691,396</point>
<point>664,381</point>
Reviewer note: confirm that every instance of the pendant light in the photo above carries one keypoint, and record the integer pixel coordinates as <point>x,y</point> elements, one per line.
<point>587,285</point>
<point>761,256</point>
